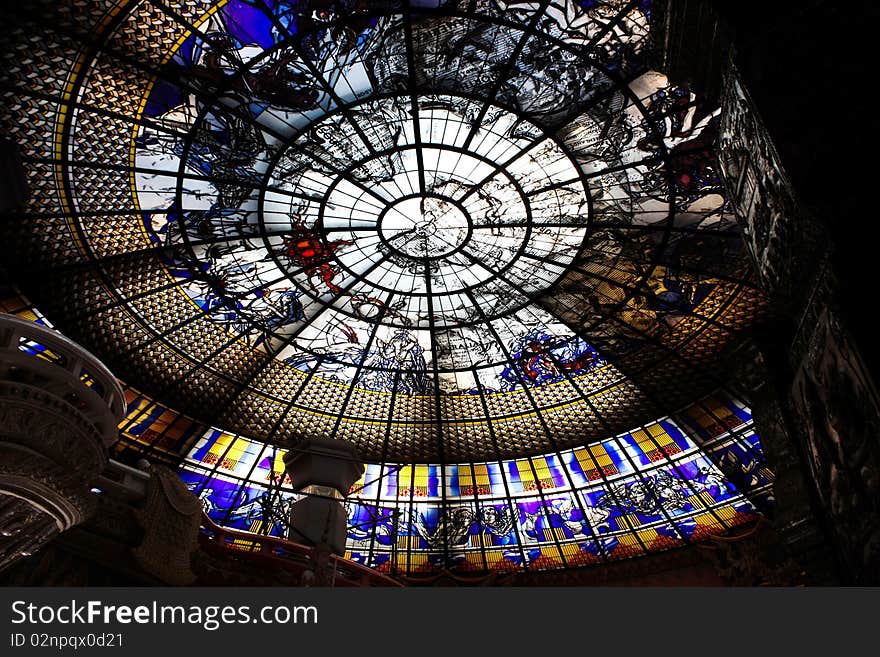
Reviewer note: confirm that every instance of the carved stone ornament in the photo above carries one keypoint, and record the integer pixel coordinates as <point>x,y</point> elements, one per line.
<point>49,456</point>
<point>839,412</point>
<point>170,517</point>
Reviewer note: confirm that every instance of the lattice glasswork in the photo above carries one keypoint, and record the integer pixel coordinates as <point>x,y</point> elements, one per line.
<point>449,232</point>
<point>677,480</point>
<point>663,485</point>
<point>425,214</point>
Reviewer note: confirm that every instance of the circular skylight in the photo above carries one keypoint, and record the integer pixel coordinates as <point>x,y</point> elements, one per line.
<point>442,231</point>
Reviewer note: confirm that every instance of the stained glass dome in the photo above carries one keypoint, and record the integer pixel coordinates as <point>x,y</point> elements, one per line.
<point>485,241</point>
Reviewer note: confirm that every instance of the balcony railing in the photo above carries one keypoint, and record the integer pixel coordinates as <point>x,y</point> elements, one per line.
<point>38,356</point>
<point>282,554</point>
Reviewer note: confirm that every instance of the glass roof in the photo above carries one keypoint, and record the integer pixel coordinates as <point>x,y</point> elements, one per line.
<point>484,241</point>
<point>445,231</point>
<point>680,479</point>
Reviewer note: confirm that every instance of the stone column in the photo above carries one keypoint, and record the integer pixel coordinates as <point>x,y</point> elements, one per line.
<point>322,471</point>
<point>59,408</point>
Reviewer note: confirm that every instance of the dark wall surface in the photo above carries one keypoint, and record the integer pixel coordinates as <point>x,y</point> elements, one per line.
<point>811,68</point>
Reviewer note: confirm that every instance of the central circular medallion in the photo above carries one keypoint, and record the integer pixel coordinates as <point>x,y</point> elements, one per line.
<point>425,227</point>
<point>453,227</point>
